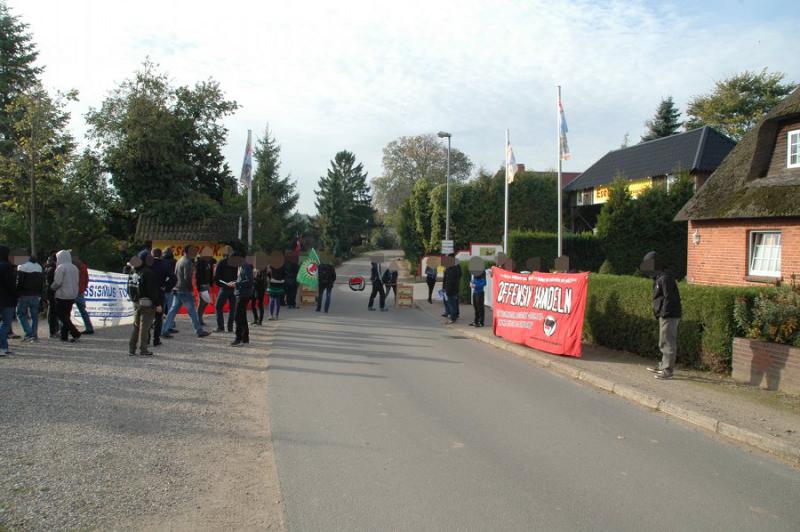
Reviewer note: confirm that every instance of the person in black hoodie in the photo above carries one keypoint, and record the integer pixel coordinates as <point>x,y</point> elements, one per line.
<point>377,288</point>
<point>165,278</point>
<point>203,279</point>
<point>8,299</point>
<point>243,288</point>
<point>451,284</point>
<point>146,306</point>
<point>326,274</point>
<point>224,275</point>
<point>30,282</point>
<point>259,290</point>
<point>292,269</point>
<point>49,275</point>
<point>667,310</point>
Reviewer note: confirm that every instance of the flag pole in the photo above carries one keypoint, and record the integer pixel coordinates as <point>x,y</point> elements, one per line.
<point>558,144</point>
<point>249,203</point>
<point>505,210</point>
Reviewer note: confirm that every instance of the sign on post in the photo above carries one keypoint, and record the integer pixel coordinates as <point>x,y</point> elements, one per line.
<point>447,247</point>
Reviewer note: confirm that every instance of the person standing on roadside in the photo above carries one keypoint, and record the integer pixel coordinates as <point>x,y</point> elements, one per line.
<point>276,288</point>
<point>377,287</point>
<point>8,299</point>
<point>184,294</point>
<point>292,269</point>
<point>243,289</point>
<point>451,285</point>
<point>430,280</point>
<point>203,278</point>
<point>326,275</point>
<point>66,283</point>
<point>49,275</point>
<point>169,288</point>
<point>165,279</point>
<point>667,310</point>
<point>478,286</point>
<point>30,281</point>
<point>224,275</point>
<point>80,301</point>
<point>259,290</point>
<point>146,306</point>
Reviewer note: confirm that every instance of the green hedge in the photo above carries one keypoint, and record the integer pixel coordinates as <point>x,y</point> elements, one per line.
<point>619,315</point>
<point>583,249</point>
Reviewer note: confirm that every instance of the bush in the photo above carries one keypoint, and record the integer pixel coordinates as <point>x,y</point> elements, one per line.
<point>619,315</point>
<point>773,316</point>
<point>583,250</point>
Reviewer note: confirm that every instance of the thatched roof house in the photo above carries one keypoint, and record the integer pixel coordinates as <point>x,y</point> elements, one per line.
<point>744,223</point>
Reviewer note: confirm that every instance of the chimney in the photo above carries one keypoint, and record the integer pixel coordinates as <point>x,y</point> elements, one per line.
<point>520,167</point>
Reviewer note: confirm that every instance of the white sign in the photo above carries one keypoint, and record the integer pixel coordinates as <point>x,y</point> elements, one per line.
<point>107,300</point>
<point>485,251</point>
<point>447,247</point>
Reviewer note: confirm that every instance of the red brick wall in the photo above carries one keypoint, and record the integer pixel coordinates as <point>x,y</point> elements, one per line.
<point>721,256</point>
<point>768,365</point>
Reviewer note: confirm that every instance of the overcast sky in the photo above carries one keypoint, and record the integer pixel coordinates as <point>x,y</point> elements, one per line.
<point>333,75</point>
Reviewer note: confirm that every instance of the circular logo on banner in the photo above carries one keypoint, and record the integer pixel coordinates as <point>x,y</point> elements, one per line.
<point>550,324</point>
<point>311,269</point>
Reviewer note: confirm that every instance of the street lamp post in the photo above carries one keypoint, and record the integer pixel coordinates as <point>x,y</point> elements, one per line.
<point>443,134</point>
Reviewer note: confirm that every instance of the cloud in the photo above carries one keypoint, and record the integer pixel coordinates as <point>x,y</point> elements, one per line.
<point>355,75</point>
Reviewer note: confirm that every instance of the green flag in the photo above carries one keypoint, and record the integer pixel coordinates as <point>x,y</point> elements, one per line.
<point>308,271</point>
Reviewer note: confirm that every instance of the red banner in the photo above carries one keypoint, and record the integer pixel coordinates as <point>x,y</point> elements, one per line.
<point>541,310</point>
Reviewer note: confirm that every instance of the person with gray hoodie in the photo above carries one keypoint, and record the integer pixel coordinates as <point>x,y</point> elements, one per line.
<point>66,284</point>
<point>184,294</point>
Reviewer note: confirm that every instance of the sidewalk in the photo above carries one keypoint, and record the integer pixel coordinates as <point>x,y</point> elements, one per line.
<point>763,419</point>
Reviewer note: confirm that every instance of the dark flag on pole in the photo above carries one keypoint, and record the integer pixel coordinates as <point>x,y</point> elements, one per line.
<point>247,166</point>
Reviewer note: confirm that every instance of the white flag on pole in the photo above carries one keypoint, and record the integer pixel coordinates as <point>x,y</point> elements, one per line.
<point>511,164</point>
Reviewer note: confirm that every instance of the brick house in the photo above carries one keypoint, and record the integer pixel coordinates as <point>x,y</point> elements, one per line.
<point>647,164</point>
<point>744,224</point>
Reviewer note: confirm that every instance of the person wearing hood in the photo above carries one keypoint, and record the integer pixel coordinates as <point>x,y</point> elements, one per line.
<point>49,275</point>
<point>667,310</point>
<point>66,284</point>
<point>243,289</point>
<point>146,306</point>
<point>80,302</point>
<point>30,281</point>
<point>8,299</point>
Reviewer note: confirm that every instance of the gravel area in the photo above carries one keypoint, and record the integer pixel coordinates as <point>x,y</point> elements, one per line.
<point>92,438</point>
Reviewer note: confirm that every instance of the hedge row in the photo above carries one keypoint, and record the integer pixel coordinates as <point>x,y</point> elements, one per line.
<point>583,249</point>
<point>619,315</point>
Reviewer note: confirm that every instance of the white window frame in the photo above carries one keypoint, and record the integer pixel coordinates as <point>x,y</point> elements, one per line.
<point>579,201</point>
<point>758,253</point>
<point>796,135</point>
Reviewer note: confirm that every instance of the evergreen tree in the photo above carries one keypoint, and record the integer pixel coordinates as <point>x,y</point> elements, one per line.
<point>17,71</point>
<point>666,122</point>
<point>274,198</point>
<point>343,203</point>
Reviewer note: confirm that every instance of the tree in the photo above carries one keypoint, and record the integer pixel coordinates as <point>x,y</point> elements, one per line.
<point>342,201</point>
<point>17,71</point>
<point>408,159</point>
<point>736,104</point>
<point>274,197</point>
<point>162,145</point>
<point>616,226</point>
<point>665,122</point>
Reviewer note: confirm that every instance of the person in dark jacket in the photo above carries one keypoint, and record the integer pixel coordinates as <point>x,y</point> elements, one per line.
<point>390,283</point>
<point>276,288</point>
<point>667,310</point>
<point>243,288</point>
<point>8,299</point>
<point>30,282</point>
<point>326,274</point>
<point>224,275</point>
<point>165,278</point>
<point>478,286</point>
<point>203,279</point>
<point>172,281</point>
<point>80,301</point>
<point>292,269</point>
<point>451,284</point>
<point>376,278</point>
<point>146,306</point>
<point>49,275</point>
<point>259,290</point>
<point>430,280</point>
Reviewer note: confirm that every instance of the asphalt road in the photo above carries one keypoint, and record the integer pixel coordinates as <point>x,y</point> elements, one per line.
<point>389,421</point>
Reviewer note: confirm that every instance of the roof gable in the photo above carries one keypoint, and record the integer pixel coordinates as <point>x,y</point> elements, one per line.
<point>701,149</point>
<point>738,188</point>
<point>214,229</point>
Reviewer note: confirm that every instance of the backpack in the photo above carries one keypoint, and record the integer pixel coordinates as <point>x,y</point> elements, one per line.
<point>134,279</point>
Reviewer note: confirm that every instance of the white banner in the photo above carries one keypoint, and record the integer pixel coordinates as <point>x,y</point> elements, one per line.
<point>107,300</point>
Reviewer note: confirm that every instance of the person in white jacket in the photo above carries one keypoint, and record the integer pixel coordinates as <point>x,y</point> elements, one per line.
<point>66,281</point>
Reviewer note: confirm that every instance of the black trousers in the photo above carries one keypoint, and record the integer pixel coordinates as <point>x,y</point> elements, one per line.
<point>291,295</point>
<point>431,285</point>
<point>64,311</point>
<point>258,306</point>
<point>52,312</point>
<point>391,288</point>
<point>477,304</point>
<point>242,329</point>
<point>377,288</point>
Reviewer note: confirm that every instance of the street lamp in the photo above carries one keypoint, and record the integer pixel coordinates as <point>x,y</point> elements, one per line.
<point>443,134</point>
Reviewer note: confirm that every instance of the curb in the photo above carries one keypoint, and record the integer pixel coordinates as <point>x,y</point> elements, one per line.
<point>763,442</point>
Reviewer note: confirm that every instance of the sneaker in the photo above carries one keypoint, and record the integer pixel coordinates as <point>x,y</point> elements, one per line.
<point>473,324</point>
<point>91,331</point>
<point>450,322</point>
<point>132,353</point>
<point>664,375</point>
<point>203,334</point>
<point>156,344</point>
<point>168,335</point>
<point>174,331</point>
<point>218,330</point>
<point>73,340</point>
<point>653,369</point>
<point>445,315</point>
<point>384,310</point>
<point>236,343</point>
<point>6,353</point>
<point>147,354</point>
<point>370,308</point>
<point>55,335</point>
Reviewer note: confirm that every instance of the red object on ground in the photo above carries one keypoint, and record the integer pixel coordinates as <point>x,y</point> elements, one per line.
<point>541,310</point>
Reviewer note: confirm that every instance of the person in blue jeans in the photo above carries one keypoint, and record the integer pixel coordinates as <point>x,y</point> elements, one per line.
<point>30,282</point>
<point>8,299</point>
<point>184,294</point>
<point>326,275</point>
